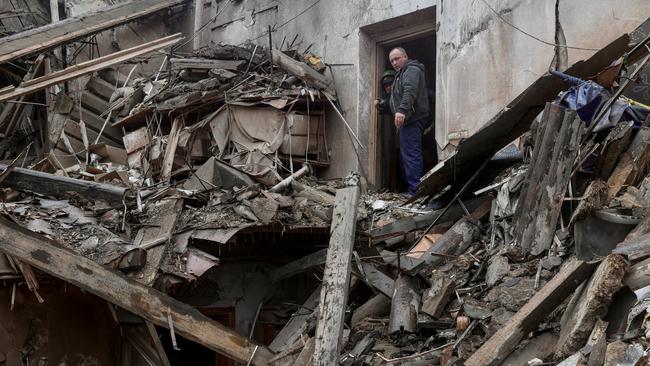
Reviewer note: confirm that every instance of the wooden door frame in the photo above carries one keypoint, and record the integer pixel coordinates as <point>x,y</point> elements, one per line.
<point>378,41</point>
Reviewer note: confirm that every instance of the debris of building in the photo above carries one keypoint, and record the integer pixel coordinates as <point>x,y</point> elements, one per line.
<point>184,213</point>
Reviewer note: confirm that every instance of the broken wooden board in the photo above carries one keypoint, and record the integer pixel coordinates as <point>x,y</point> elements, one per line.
<point>633,165</point>
<point>52,35</point>
<point>50,257</point>
<point>405,305</point>
<point>336,279</point>
<point>419,222</point>
<point>159,236</point>
<point>297,325</point>
<point>435,299</point>
<point>635,249</point>
<point>56,186</point>
<point>556,149</point>
<point>378,305</point>
<point>588,304</point>
<point>638,276</point>
<point>205,63</point>
<point>455,240</point>
<point>598,343</point>
<point>170,150</point>
<point>541,347</point>
<point>86,68</point>
<point>298,266</point>
<point>304,358</point>
<point>363,346</point>
<point>614,146</point>
<point>375,278</point>
<point>302,71</point>
<point>506,339</point>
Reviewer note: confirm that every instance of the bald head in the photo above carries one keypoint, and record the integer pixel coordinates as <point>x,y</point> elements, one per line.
<point>398,58</point>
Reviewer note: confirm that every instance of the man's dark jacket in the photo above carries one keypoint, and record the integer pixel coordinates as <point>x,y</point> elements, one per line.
<point>409,95</point>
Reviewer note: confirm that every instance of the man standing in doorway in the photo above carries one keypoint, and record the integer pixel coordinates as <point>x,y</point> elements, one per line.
<point>409,104</point>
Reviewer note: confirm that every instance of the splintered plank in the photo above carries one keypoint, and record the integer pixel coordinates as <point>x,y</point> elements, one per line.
<point>633,164</point>
<point>51,35</point>
<point>297,325</point>
<point>162,234</point>
<point>299,265</point>
<point>588,304</point>
<point>86,68</point>
<point>50,257</point>
<point>506,339</point>
<point>556,149</point>
<point>334,292</point>
<point>54,185</point>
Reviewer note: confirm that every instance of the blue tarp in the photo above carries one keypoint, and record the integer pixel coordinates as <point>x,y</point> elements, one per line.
<point>588,97</point>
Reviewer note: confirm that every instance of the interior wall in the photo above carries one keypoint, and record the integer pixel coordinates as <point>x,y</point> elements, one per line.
<point>70,327</point>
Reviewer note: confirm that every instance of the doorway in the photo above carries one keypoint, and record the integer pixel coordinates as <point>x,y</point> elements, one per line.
<point>389,167</point>
<point>415,32</point>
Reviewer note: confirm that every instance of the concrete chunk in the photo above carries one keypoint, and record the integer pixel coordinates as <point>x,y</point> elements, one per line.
<point>590,303</point>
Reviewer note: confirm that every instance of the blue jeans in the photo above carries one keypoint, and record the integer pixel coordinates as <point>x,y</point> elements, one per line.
<point>410,150</point>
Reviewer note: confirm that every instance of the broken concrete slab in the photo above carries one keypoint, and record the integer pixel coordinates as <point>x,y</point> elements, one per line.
<point>497,268</point>
<point>589,303</point>
<point>540,347</point>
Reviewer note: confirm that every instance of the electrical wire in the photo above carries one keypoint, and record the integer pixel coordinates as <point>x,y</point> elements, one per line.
<point>533,36</point>
<point>203,26</point>
<point>288,21</point>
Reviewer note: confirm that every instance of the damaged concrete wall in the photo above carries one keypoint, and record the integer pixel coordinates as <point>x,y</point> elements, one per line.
<point>333,29</point>
<point>70,328</point>
<point>483,63</point>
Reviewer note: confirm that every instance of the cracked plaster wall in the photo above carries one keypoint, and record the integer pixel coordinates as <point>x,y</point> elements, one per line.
<point>483,63</point>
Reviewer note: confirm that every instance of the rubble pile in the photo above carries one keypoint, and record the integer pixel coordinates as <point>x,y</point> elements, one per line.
<point>538,256</point>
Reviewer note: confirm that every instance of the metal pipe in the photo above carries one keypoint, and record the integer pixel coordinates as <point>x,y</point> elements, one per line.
<point>286,182</point>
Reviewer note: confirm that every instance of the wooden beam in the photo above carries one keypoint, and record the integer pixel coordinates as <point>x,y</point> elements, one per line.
<point>506,339</point>
<point>302,71</point>
<point>198,22</point>
<point>299,265</point>
<point>170,150</point>
<point>297,325</point>
<point>54,185</point>
<point>556,149</point>
<point>87,67</point>
<point>50,257</point>
<point>336,279</point>
<point>404,306</point>
<point>589,303</point>
<point>51,35</point>
<point>205,63</point>
<point>376,279</point>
